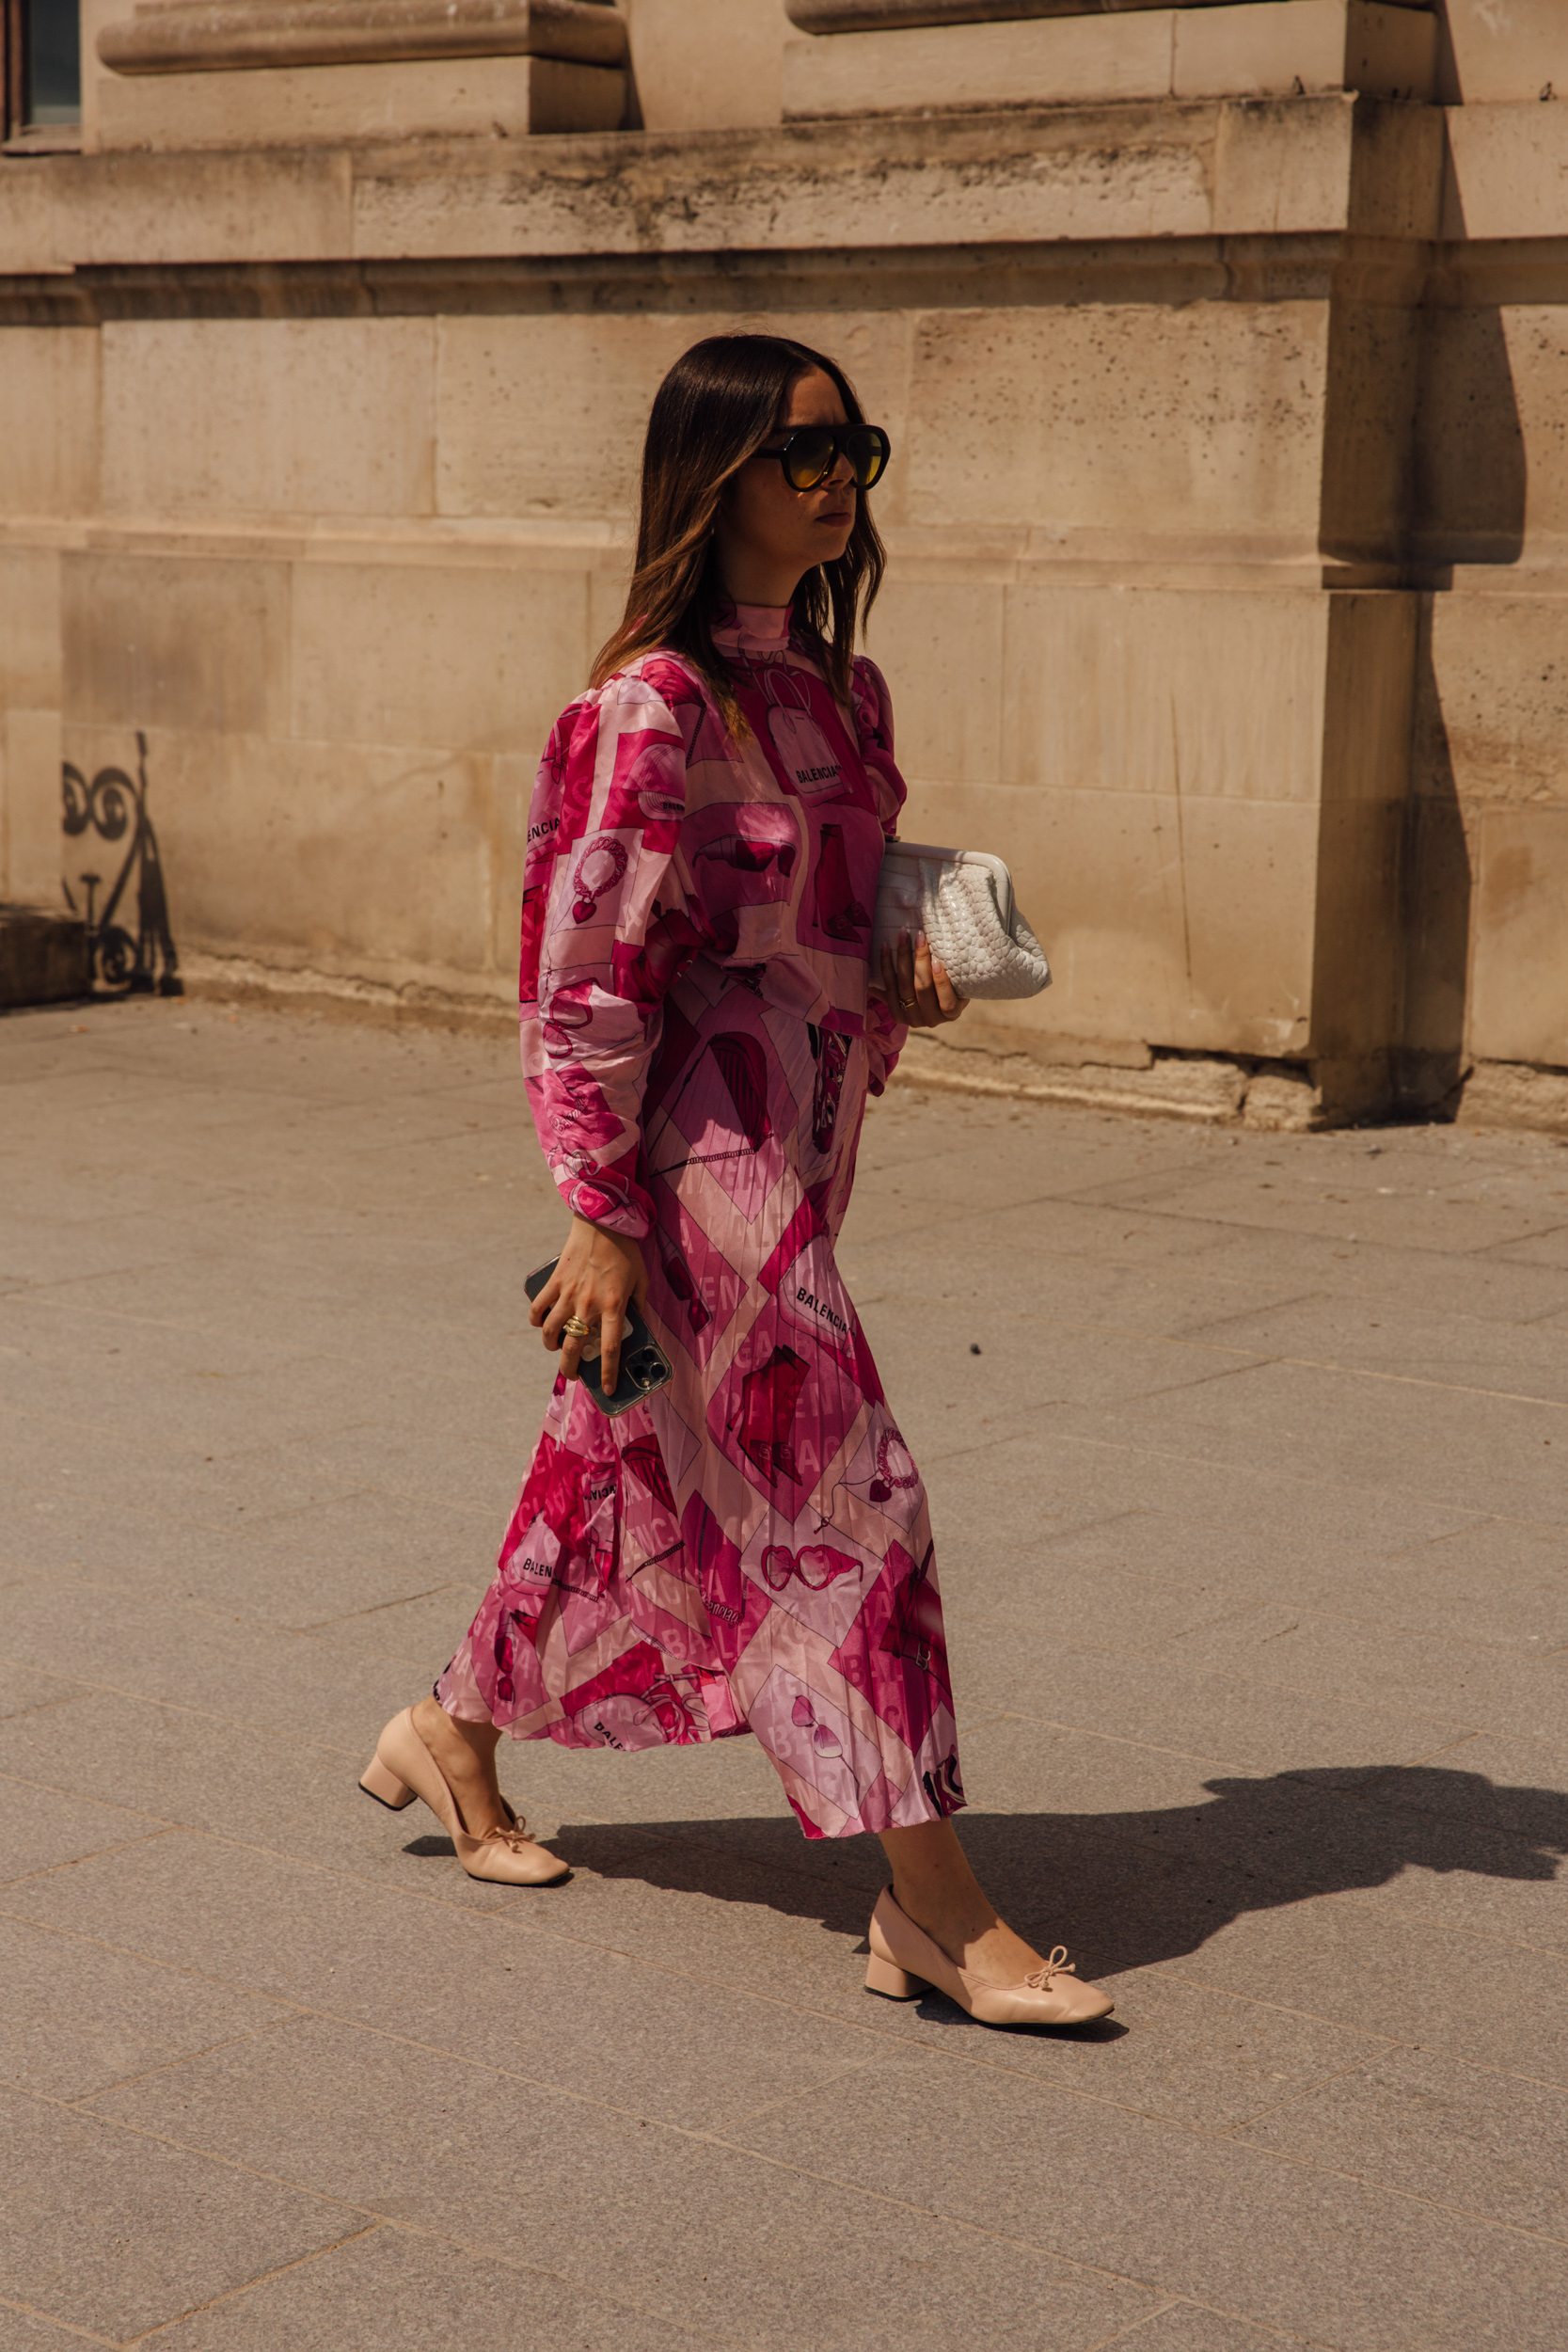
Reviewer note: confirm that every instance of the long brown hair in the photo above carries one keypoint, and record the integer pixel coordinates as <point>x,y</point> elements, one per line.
<point>719,404</point>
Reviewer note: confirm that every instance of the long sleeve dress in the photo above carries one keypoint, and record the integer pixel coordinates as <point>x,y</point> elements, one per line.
<point>750,1550</point>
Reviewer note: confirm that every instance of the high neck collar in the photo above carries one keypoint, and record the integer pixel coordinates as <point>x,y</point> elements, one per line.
<point>752,627</point>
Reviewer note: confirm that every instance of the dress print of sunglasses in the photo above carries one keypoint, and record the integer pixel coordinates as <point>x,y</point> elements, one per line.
<point>809,454</point>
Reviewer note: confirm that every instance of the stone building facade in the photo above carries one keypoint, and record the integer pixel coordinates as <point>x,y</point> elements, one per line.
<point>1223,351</point>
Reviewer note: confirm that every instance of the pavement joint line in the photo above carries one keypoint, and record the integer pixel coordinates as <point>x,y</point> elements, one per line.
<point>374,2218</point>
<point>83,2105</point>
<point>1122,2335</point>
<point>99,1853</point>
<point>1328,1698</point>
<point>1174,1969</point>
<point>181,1707</point>
<point>806,2090</point>
<point>33,2310</point>
<point>902,2041</point>
<point>1376,1625</point>
<point>404,2228</point>
<point>173,1451</point>
<point>172,1968</point>
<point>1214,2135</point>
<point>1350,1489</point>
<point>263,2277</point>
<point>353,1616</point>
<point>1216,2311</point>
<point>1304,1237</point>
<point>41,1706</point>
<point>889,2041</point>
<point>1158,1652</point>
<point>1383,1900</point>
<point>186,1603</point>
<point>577,2098</point>
<point>1302,2090</point>
<point>1461,1731</point>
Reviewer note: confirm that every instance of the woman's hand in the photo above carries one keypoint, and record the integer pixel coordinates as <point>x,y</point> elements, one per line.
<point>596,1275</point>
<point>917,989</point>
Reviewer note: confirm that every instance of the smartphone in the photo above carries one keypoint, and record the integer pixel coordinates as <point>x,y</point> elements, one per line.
<point>644,1369</point>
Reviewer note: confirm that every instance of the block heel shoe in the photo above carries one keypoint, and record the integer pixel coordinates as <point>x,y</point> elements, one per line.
<point>904,1961</point>
<point>402,1768</point>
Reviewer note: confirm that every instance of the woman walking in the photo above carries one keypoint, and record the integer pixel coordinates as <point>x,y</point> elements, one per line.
<point>749,1548</point>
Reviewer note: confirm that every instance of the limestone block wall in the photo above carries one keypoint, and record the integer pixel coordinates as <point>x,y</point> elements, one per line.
<point>1225,596</point>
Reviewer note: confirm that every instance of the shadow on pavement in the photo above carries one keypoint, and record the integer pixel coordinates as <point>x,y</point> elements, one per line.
<point>1125,1890</point>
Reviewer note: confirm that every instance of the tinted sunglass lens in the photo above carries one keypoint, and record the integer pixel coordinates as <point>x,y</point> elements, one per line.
<point>809,459</point>
<point>867,451</point>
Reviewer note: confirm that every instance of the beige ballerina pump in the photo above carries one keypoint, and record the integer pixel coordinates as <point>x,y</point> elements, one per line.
<point>904,1960</point>
<point>402,1768</point>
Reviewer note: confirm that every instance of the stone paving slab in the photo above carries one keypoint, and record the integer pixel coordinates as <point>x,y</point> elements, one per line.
<point>1298,2246</point>
<point>1255,1549</point>
<point>708,2230</point>
<point>81,2017</point>
<point>114,2231</point>
<point>396,2285</point>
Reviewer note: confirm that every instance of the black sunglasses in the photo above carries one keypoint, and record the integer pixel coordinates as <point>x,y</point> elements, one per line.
<point>810,452</point>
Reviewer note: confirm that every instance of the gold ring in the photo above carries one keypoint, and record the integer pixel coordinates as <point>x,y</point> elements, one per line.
<point>575,1325</point>
<point>909,1003</point>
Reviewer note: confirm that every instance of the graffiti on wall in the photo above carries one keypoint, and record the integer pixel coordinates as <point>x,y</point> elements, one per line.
<point>126,912</point>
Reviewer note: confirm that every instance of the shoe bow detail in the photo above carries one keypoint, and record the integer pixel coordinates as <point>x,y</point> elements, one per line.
<point>1038,1981</point>
<point>514,1837</point>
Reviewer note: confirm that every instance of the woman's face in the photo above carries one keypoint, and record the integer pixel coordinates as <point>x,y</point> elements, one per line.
<point>770,535</point>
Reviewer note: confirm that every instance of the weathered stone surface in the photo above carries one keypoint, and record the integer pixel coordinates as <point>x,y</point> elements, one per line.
<point>49,410</point>
<point>229,35</point>
<point>294,106</point>
<point>1519,981</point>
<point>208,418</point>
<point>1301,46</point>
<point>707,65</point>
<point>1491,55</point>
<point>1272,48</point>
<point>1068,59</point>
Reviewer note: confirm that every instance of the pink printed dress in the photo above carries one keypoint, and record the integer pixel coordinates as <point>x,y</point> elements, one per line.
<point>750,1551</point>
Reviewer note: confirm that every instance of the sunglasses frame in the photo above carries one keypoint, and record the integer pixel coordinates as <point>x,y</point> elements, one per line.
<point>839,435</point>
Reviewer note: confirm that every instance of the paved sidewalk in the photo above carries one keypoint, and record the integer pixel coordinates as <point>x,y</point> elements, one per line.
<point>1253,1524</point>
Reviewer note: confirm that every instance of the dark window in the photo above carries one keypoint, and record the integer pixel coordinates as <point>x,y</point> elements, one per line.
<point>43,64</point>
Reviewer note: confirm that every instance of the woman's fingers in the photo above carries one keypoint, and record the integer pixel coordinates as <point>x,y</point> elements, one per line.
<point>597,1276</point>
<point>611,1326</point>
<point>906,996</point>
<point>947,995</point>
<point>925,993</point>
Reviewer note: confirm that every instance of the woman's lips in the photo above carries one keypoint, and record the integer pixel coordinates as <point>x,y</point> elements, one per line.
<point>838,515</point>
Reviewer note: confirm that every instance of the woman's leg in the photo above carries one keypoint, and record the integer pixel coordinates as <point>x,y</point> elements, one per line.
<point>467,1755</point>
<point>933,1885</point>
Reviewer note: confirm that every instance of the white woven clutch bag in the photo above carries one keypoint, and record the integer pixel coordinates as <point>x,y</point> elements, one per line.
<point>962,900</point>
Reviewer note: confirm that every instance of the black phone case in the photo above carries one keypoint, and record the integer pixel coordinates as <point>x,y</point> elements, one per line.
<point>644,1367</point>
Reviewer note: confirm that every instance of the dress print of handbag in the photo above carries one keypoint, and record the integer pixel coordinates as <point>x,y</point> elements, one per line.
<point>962,900</point>
<point>809,759</point>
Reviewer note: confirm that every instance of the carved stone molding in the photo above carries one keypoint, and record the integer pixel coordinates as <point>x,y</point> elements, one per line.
<point>233,36</point>
<point>888,16</point>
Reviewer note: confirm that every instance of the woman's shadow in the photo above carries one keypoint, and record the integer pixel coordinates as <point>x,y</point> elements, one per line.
<point>1128,1889</point>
